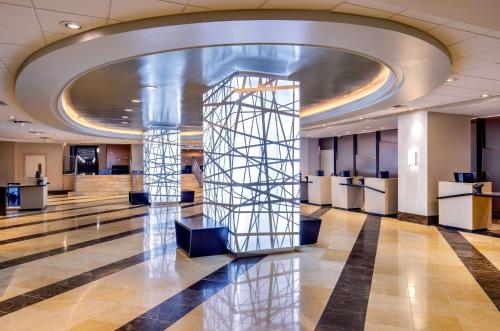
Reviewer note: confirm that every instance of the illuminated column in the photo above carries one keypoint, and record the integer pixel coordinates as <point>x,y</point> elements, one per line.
<point>162,165</point>
<point>251,161</point>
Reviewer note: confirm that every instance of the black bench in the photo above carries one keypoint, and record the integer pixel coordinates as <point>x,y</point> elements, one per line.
<point>201,236</point>
<point>138,198</point>
<point>309,230</point>
<point>187,196</point>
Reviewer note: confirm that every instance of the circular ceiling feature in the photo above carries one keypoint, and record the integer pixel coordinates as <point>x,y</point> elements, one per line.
<point>348,66</point>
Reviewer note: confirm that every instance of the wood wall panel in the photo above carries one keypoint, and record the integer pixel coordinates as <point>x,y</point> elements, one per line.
<point>366,155</point>
<point>345,154</point>
<point>389,152</point>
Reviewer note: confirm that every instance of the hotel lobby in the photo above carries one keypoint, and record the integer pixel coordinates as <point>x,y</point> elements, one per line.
<point>249,165</point>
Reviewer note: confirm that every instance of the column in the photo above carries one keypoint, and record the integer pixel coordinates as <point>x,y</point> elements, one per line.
<point>431,147</point>
<point>162,165</point>
<point>251,161</point>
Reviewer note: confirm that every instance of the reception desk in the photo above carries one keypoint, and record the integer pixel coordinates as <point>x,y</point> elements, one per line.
<point>33,193</point>
<point>319,190</point>
<point>460,207</point>
<point>346,195</point>
<point>381,196</point>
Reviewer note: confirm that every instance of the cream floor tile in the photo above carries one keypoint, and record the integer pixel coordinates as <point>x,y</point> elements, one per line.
<point>431,321</point>
<point>389,317</point>
<point>94,325</point>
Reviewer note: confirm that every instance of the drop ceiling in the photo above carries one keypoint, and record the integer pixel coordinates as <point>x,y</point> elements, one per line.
<point>470,32</point>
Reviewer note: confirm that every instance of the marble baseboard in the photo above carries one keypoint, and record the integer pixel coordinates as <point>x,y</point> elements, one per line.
<point>419,219</point>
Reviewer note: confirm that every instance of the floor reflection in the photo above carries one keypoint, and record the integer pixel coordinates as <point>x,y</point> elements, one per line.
<point>267,295</point>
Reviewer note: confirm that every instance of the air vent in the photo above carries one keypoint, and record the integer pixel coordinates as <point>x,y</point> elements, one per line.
<point>20,122</point>
<point>2,103</point>
<point>397,106</point>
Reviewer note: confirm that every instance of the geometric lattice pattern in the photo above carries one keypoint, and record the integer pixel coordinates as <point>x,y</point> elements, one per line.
<point>162,165</point>
<point>251,161</point>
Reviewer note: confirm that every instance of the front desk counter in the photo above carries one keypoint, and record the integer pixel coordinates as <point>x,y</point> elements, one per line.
<point>319,190</point>
<point>381,196</point>
<point>460,207</point>
<point>33,195</point>
<point>347,193</point>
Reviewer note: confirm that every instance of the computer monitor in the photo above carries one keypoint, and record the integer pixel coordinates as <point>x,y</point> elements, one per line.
<point>383,174</point>
<point>464,177</point>
<point>345,173</point>
<point>320,173</point>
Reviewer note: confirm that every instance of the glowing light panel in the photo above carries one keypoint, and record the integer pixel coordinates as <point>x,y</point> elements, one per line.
<point>251,161</point>
<point>162,165</point>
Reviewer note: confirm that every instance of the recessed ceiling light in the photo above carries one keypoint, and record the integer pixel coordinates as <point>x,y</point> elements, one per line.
<point>129,110</point>
<point>381,128</point>
<point>125,117</point>
<point>12,117</point>
<point>323,125</point>
<point>368,127</point>
<point>411,108</point>
<point>23,124</point>
<point>124,122</point>
<point>484,95</point>
<point>449,80</point>
<point>361,118</point>
<point>348,132</point>
<point>71,25</point>
<point>38,133</point>
<point>135,100</point>
<point>150,87</point>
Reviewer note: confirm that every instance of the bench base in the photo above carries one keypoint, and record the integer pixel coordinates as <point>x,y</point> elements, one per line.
<point>309,230</point>
<point>138,198</point>
<point>201,236</point>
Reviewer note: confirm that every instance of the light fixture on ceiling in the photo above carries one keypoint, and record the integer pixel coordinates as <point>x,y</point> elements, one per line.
<point>368,127</point>
<point>323,125</point>
<point>135,100</point>
<point>411,108</point>
<point>449,80</point>
<point>128,110</point>
<point>348,132</point>
<point>360,118</point>
<point>12,117</point>
<point>124,122</point>
<point>125,117</point>
<point>381,128</point>
<point>484,95</point>
<point>71,25</point>
<point>150,87</point>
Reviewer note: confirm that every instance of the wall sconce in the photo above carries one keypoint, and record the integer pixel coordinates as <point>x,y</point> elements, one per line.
<point>412,158</point>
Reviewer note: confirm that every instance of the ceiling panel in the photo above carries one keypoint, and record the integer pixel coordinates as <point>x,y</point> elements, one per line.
<point>8,50</point>
<point>50,21</point>
<point>420,15</point>
<point>489,56</point>
<point>21,36</point>
<point>12,63</point>
<point>358,10</point>
<point>419,24</point>
<point>380,5</point>
<point>450,36</point>
<point>463,64</point>
<point>97,8</point>
<point>300,4</point>
<point>476,82</point>
<point>461,92</point>
<point>17,16</point>
<point>475,45</point>
<point>490,71</point>
<point>193,9</point>
<point>227,5</point>
<point>132,9</point>
<point>467,27</point>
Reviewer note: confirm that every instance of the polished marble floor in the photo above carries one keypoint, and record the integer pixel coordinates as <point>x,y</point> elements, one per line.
<point>97,263</point>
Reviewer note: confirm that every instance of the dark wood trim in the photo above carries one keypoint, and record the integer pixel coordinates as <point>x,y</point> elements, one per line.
<point>354,153</point>
<point>480,145</point>
<point>377,152</point>
<point>419,219</point>
<point>335,154</point>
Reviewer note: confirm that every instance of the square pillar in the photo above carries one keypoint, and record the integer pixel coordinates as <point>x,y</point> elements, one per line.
<point>251,161</point>
<point>431,147</point>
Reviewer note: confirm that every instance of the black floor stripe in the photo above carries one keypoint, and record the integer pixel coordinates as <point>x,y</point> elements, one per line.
<point>173,309</point>
<point>483,271</point>
<point>61,250</point>
<point>46,292</point>
<point>24,214</point>
<point>73,228</point>
<point>346,308</point>
<point>320,212</point>
<point>64,218</point>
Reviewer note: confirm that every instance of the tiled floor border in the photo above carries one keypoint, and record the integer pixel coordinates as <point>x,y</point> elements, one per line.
<point>483,271</point>
<point>347,306</point>
<point>173,309</point>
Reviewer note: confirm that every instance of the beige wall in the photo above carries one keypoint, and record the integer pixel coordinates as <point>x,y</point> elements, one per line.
<point>13,161</point>
<point>7,166</point>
